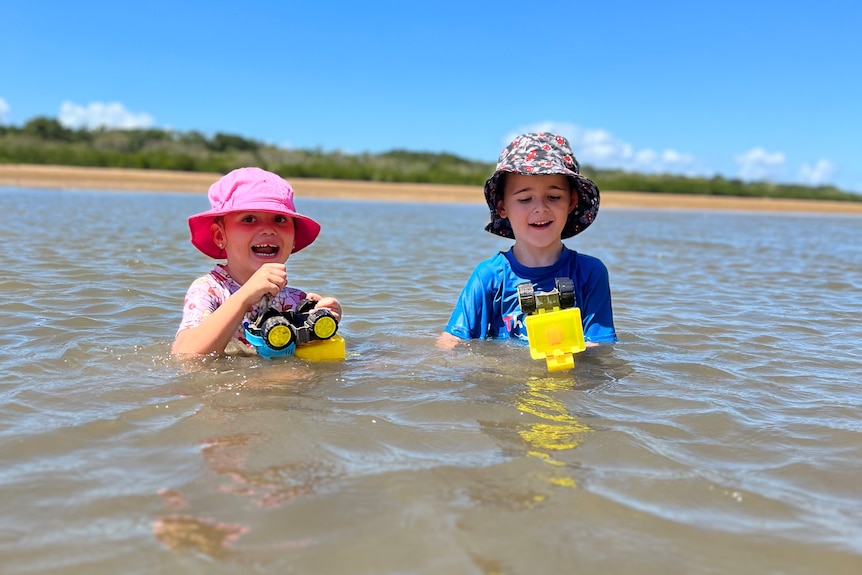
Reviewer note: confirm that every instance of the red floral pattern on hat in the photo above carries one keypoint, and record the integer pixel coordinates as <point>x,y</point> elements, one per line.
<point>543,153</point>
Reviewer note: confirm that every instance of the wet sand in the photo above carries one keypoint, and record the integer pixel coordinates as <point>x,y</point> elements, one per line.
<point>81,178</point>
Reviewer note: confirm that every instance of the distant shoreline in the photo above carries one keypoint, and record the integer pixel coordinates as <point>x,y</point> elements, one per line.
<point>121,179</point>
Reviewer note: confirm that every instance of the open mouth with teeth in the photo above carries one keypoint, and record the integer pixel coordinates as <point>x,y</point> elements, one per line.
<point>541,225</point>
<point>265,250</point>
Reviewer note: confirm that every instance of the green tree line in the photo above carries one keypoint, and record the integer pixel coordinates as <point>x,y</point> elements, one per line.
<point>44,140</point>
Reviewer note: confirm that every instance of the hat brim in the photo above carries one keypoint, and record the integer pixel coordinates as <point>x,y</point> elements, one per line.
<point>306,229</point>
<point>579,219</point>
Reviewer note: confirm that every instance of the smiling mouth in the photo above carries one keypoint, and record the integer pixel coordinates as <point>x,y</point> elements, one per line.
<point>268,250</point>
<point>541,225</point>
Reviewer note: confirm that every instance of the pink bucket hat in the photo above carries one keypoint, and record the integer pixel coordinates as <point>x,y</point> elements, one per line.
<point>250,190</point>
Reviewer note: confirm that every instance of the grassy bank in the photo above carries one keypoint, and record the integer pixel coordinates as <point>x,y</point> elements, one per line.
<point>130,179</point>
<point>44,141</point>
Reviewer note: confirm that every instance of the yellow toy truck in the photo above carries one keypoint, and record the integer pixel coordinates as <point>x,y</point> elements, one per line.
<point>553,323</point>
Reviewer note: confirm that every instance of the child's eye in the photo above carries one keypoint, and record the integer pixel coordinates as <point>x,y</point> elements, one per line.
<point>248,219</point>
<point>555,198</point>
<point>524,200</point>
<point>280,219</point>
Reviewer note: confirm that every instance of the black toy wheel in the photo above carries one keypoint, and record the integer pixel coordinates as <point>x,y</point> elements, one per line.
<point>277,332</point>
<point>566,287</point>
<point>527,298</point>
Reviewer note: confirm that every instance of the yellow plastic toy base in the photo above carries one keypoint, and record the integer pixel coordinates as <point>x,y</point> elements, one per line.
<point>332,348</point>
<point>555,335</point>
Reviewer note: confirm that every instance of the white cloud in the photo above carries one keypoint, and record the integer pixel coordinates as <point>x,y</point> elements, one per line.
<point>4,110</point>
<point>820,173</point>
<point>601,149</point>
<point>758,164</point>
<point>98,114</point>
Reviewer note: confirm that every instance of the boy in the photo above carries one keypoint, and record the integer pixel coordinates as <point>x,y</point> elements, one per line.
<point>538,198</point>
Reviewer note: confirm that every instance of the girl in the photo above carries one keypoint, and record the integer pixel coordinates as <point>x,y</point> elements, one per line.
<point>254,226</point>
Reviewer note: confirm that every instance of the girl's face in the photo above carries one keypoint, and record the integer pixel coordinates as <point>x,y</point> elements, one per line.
<point>537,208</point>
<point>252,239</point>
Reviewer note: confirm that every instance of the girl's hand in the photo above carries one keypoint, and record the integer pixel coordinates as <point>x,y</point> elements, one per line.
<point>269,279</point>
<point>329,303</point>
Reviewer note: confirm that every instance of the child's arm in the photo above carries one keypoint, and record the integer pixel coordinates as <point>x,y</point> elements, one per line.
<point>448,341</point>
<point>471,316</point>
<point>216,331</point>
<point>596,307</point>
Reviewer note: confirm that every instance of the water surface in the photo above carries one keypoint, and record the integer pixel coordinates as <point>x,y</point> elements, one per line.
<point>722,434</point>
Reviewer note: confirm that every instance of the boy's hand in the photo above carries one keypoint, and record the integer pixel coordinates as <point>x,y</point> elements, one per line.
<point>447,341</point>
<point>329,303</point>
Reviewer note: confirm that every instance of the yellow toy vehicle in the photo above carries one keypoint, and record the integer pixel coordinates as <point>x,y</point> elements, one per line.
<point>553,323</point>
<point>304,332</point>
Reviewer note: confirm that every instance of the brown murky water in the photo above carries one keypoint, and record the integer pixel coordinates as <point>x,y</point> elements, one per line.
<point>721,435</point>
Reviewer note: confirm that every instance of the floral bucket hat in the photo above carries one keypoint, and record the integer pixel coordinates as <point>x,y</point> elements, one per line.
<point>542,153</point>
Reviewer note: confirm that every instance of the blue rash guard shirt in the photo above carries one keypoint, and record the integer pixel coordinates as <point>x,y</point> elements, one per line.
<point>488,305</point>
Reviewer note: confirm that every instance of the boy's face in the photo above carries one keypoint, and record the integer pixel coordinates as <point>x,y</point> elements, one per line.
<point>537,207</point>
<point>252,239</point>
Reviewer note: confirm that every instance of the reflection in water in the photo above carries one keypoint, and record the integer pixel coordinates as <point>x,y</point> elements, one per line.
<point>558,431</point>
<point>231,385</point>
<point>405,458</point>
<point>183,533</point>
<point>269,487</point>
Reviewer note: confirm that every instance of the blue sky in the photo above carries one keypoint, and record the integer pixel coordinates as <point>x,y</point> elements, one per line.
<point>753,90</point>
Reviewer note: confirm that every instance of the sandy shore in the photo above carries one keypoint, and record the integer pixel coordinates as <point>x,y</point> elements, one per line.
<point>64,177</point>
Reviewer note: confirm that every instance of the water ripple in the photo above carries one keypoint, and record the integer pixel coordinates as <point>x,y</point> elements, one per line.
<point>725,422</point>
